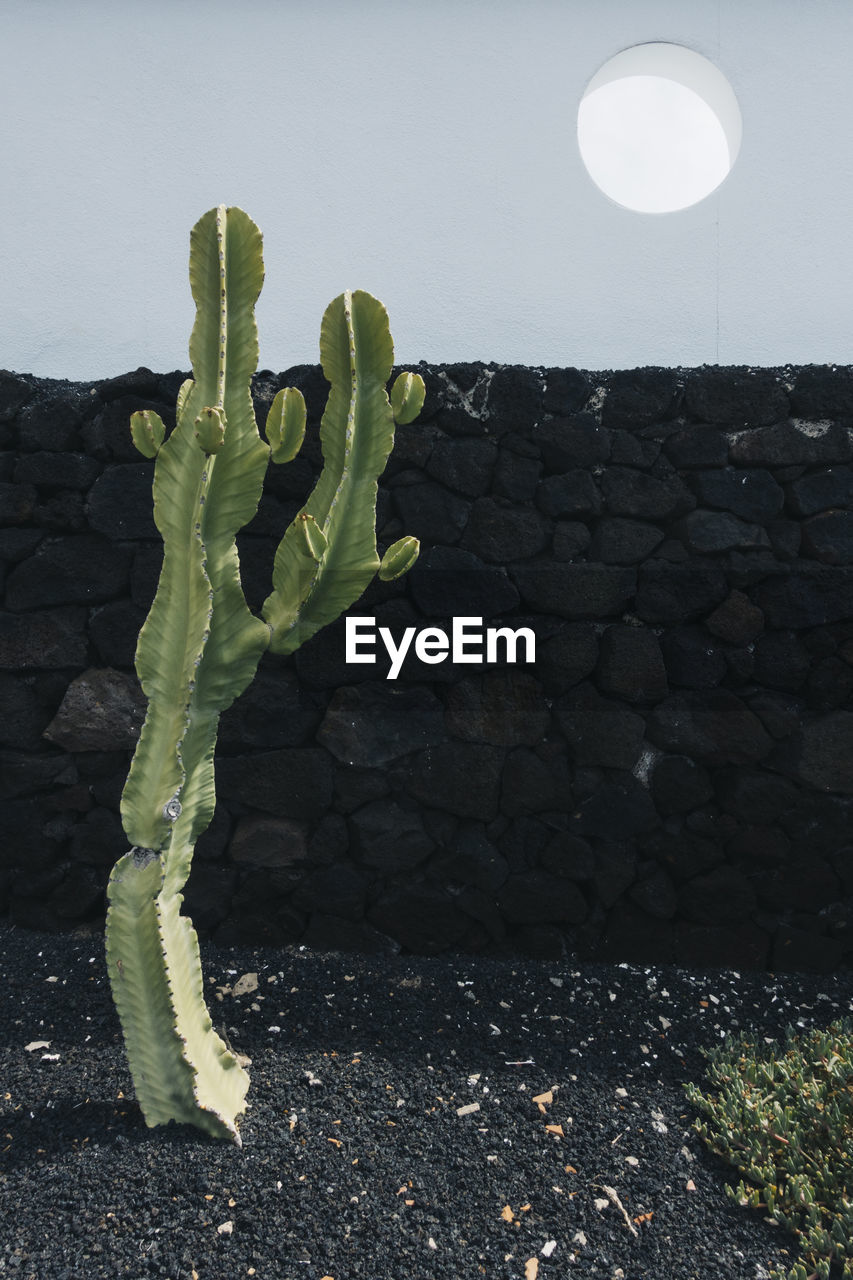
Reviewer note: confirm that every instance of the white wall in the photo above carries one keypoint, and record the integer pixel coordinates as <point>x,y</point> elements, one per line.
<point>424,150</point>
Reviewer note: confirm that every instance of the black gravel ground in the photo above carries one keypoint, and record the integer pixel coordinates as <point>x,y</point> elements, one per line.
<point>411,1119</point>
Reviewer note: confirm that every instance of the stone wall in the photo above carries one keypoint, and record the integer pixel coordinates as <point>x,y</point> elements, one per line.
<point>670,781</point>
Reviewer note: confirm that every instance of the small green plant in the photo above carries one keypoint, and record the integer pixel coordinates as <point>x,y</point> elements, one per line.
<point>785,1121</point>
<point>200,645</point>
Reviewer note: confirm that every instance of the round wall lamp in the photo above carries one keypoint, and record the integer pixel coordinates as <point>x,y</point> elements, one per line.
<point>659,128</point>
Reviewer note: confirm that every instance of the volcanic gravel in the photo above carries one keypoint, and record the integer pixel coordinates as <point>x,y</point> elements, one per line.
<point>411,1118</point>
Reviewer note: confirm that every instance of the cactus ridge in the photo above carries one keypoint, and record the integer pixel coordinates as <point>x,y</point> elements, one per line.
<point>200,645</point>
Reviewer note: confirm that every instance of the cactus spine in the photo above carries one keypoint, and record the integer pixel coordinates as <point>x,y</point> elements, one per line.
<point>200,645</point>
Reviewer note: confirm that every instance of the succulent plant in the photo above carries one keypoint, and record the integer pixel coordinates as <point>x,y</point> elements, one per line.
<point>200,645</point>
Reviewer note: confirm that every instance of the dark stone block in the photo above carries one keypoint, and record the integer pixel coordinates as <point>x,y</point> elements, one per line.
<point>370,725</point>
<point>530,784</point>
<point>120,502</point>
<point>80,896</point>
<point>829,537</point>
<point>566,391</point>
<point>83,569</point>
<point>102,710</point>
<point>672,593</point>
<point>459,420</point>
<point>290,782</point>
<point>421,918</point>
<point>22,773</point>
<point>798,886</point>
<point>631,664</point>
<point>355,787</point>
<point>575,590</point>
<point>820,754</point>
<point>506,710</point>
<point>618,811</point>
<point>99,839</point>
<point>471,859</point>
<point>63,513</point>
<point>760,847</point>
<point>568,656</point>
<point>654,892</point>
<point>684,853</point>
<point>779,715</point>
<point>275,842</point>
<point>821,392</point>
<point>793,443</point>
<point>571,856</point>
<point>723,896</point>
<point>140,383</point>
<point>806,597</point>
<point>715,727</point>
<point>515,398</point>
<point>572,442</point>
<point>459,777</point>
<point>18,544</point>
<point>463,465</point>
<point>22,717</point>
<point>336,890</point>
<point>634,935</point>
<point>830,684</point>
<point>703,446</point>
<point>17,503</point>
<point>796,951</point>
<point>692,659</point>
<point>755,797</point>
<point>275,711</point>
<point>500,531</point>
<point>744,946</point>
<point>57,470</point>
<point>618,541</point>
<point>615,871</point>
<point>15,392</point>
<point>707,532</point>
<point>644,497</point>
<point>736,620</point>
<point>752,494</point>
<point>598,730</point>
<point>46,640</point>
<point>638,397</point>
<point>207,896</point>
<point>430,513</point>
<point>679,784</point>
<point>52,421</point>
<point>534,897</point>
<point>107,437</point>
<point>821,491</point>
<point>114,631</point>
<point>572,494</point>
<point>333,933</point>
<point>571,540</point>
<point>781,661</point>
<point>449,581</point>
<point>629,450</point>
<point>516,474</point>
<point>740,395</point>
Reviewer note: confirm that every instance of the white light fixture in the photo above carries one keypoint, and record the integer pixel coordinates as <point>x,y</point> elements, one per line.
<point>659,128</point>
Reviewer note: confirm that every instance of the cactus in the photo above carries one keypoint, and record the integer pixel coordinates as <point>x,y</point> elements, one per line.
<point>200,645</point>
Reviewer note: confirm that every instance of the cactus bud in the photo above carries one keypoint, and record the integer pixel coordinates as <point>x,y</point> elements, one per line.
<point>399,558</point>
<point>314,540</point>
<point>210,430</point>
<point>147,431</point>
<point>407,397</point>
<point>285,427</point>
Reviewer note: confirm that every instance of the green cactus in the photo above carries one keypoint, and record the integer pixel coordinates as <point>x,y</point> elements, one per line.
<point>200,645</point>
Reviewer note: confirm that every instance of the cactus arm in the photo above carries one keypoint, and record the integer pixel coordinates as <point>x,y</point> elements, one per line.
<point>181,1068</point>
<point>357,434</point>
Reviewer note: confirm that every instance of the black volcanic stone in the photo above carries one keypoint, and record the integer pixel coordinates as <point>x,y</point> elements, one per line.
<point>799,951</point>
<point>463,465</point>
<point>692,658</point>
<point>276,710</point>
<point>52,422</point>
<point>57,470</point>
<point>619,811</point>
<point>120,502</point>
<point>684,853</point>
<point>571,539</point>
<point>633,932</point>
<point>17,503</point>
<point>289,782</point>
<point>568,657</point>
<point>45,640</point>
<point>703,446</point>
<point>598,730</point>
<point>14,394</point>
<point>423,919</point>
<point>671,593</point>
<point>533,896</point>
<point>337,890</point>
<point>566,391</point>
<point>141,383</point>
<point>502,531</point>
<point>430,513</point>
<point>530,784</point>
<point>791,443</point>
<point>572,442</point>
<point>721,896</point>
<point>22,717</point>
<point>781,661</point>
<point>712,531</point>
<point>448,581</point>
<point>388,838</point>
<point>715,727</point>
<point>629,450</point>
<point>17,544</point>
<point>821,392</point>
<point>371,724</point>
<point>472,860</point>
<point>516,474</point>
<point>462,778</point>
<point>821,491</point>
<point>755,797</point>
<point>571,856</point>
<point>644,497</point>
<point>108,436</point>
<point>736,620</point>
<point>734,396</point>
<point>654,892</point>
<point>829,537</point>
<point>82,569</point>
<point>820,754</point>
<point>631,664</point>
<point>575,590</point>
<point>750,493</point>
<point>679,784</point>
<point>639,397</point>
<point>515,398</point>
<point>505,710</point>
<point>743,945</point>
<point>571,494</point>
<point>806,597</point>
